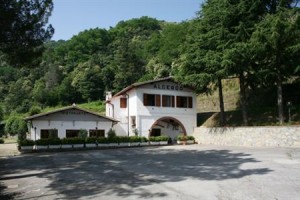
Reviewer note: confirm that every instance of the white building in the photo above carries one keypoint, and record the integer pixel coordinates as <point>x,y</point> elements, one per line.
<point>152,108</point>
<point>67,122</point>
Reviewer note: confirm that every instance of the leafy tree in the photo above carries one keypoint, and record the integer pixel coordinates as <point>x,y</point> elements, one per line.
<point>276,47</point>
<point>15,125</point>
<point>23,28</point>
<point>87,81</point>
<point>18,93</point>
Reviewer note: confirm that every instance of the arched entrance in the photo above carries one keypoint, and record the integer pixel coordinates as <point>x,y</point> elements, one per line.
<point>169,126</point>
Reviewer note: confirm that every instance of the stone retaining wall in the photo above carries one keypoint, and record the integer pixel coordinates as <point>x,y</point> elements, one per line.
<point>275,136</point>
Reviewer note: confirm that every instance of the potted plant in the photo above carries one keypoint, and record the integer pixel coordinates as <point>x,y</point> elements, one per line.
<point>190,139</point>
<point>102,142</point>
<point>163,139</point>
<point>54,143</point>
<point>181,139</point>
<point>113,141</point>
<point>26,144</point>
<point>78,142</point>
<point>144,141</point>
<point>91,142</point>
<point>41,144</point>
<point>134,141</point>
<point>66,143</point>
<point>154,140</point>
<point>124,141</point>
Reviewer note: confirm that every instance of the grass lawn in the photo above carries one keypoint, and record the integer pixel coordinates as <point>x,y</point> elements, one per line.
<point>10,140</point>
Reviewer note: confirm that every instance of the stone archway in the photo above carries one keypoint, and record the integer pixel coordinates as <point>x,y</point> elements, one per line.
<point>167,126</point>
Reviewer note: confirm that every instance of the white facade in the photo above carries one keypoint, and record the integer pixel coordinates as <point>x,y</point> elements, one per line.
<point>170,120</point>
<point>68,119</point>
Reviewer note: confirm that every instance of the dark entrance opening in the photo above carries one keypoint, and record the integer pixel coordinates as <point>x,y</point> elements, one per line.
<point>156,132</point>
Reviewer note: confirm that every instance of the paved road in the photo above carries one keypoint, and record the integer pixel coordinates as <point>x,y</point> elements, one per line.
<point>172,172</point>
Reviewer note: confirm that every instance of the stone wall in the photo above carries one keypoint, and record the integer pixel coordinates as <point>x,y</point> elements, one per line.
<point>275,136</point>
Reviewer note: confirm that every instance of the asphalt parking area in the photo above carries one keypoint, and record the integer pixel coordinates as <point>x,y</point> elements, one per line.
<point>171,172</point>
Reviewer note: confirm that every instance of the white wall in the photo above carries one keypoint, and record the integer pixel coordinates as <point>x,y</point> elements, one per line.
<point>72,119</point>
<point>146,116</point>
<point>62,126</point>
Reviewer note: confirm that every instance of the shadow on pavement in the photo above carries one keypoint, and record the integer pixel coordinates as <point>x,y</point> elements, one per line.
<point>126,172</point>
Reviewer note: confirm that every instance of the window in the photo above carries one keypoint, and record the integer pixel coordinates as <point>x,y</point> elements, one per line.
<point>123,102</point>
<point>152,100</point>
<point>168,101</point>
<point>133,121</point>
<point>49,133</point>
<point>72,133</point>
<point>97,133</point>
<point>184,102</point>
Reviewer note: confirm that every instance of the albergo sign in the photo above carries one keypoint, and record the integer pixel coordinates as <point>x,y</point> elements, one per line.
<point>167,87</point>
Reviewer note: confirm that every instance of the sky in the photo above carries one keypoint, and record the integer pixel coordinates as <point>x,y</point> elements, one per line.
<point>69,17</point>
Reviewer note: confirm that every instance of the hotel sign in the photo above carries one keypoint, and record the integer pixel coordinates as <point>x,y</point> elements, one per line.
<point>167,87</point>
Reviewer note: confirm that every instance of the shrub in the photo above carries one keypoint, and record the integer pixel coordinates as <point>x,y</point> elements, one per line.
<point>154,139</point>
<point>144,139</point>
<point>91,140</point>
<point>1,141</point>
<point>41,142</point>
<point>35,110</point>
<point>134,139</point>
<point>163,138</point>
<point>111,133</point>
<point>15,125</point>
<point>102,140</point>
<point>181,137</point>
<point>123,139</point>
<point>66,141</point>
<point>26,142</point>
<point>113,139</point>
<point>189,137</point>
<point>54,141</point>
<point>77,140</point>
<point>83,133</point>
<point>185,137</point>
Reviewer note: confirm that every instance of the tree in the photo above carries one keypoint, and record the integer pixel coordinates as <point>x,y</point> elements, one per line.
<point>276,47</point>
<point>201,61</point>
<point>15,125</point>
<point>23,28</point>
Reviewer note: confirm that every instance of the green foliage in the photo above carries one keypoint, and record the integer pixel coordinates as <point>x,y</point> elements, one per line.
<point>75,140</point>
<point>83,133</point>
<point>15,125</point>
<point>34,110</point>
<point>111,133</point>
<point>134,139</point>
<point>144,139</point>
<point>23,29</point>
<point>91,140</point>
<point>158,138</point>
<point>54,141</point>
<point>42,142</point>
<point>26,142</point>
<point>1,113</point>
<point>185,137</point>
<point>1,141</point>
<point>102,140</point>
<point>122,139</point>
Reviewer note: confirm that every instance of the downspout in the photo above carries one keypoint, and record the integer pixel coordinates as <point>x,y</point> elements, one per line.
<point>127,95</point>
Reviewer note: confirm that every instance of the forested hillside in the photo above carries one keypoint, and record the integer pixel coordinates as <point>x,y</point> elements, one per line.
<point>92,62</point>
<point>256,42</point>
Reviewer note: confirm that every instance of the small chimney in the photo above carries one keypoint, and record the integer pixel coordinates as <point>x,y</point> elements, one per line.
<point>108,95</point>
